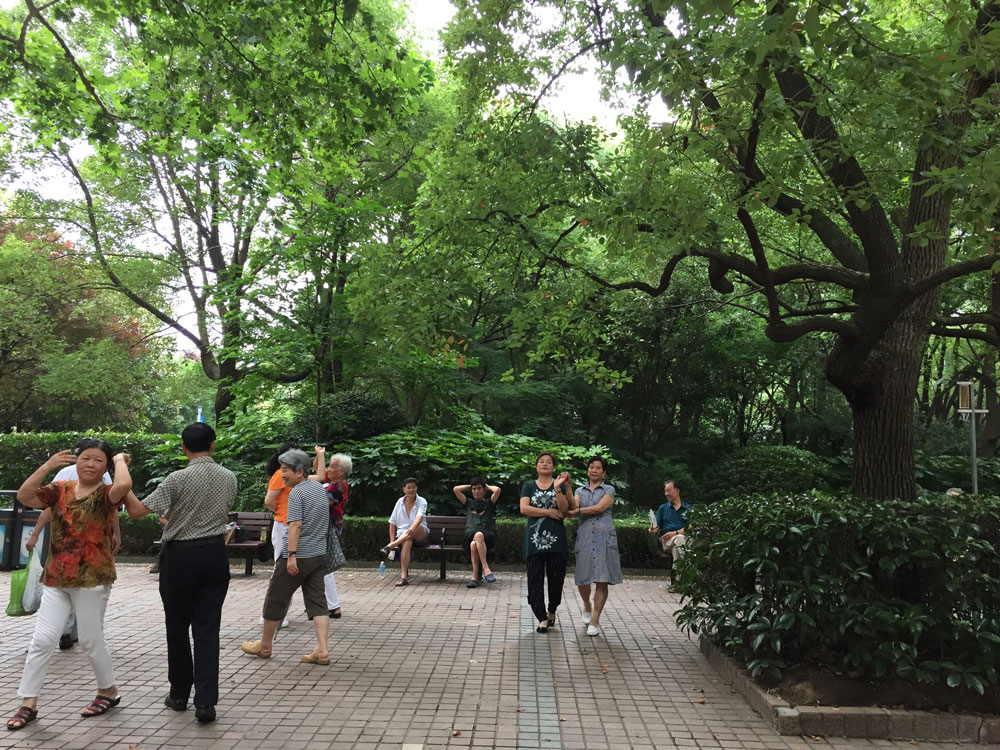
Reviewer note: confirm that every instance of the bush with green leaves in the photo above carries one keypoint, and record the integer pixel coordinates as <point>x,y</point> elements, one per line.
<point>648,480</point>
<point>938,473</point>
<point>907,589</point>
<point>766,468</point>
<point>441,458</point>
<point>345,415</point>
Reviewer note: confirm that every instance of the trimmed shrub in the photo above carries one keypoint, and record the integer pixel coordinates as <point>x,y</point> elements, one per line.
<point>139,535</point>
<point>907,589</point>
<point>766,468</point>
<point>939,473</point>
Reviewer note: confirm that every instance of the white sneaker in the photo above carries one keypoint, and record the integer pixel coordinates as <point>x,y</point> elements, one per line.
<point>586,618</point>
<point>593,630</point>
<point>284,623</point>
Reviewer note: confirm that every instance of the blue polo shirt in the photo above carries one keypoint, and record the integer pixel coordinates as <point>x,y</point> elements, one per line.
<point>669,519</point>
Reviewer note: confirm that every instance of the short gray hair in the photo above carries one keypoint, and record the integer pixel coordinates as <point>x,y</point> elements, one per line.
<point>296,460</point>
<point>343,461</point>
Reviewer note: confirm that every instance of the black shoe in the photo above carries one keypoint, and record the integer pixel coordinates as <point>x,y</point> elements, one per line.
<point>204,714</point>
<point>66,641</point>
<point>154,568</point>
<point>177,704</point>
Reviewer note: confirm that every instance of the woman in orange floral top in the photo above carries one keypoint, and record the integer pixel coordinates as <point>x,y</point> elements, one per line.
<point>79,571</point>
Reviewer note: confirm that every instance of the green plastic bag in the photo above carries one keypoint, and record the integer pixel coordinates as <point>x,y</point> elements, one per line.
<point>18,580</point>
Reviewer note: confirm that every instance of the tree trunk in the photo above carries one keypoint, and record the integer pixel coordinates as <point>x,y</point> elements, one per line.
<point>224,395</point>
<point>881,390</point>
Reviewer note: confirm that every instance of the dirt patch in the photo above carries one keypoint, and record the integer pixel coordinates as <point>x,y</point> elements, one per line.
<point>811,686</point>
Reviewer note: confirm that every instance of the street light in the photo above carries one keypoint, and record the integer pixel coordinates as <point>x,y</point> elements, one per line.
<point>967,408</point>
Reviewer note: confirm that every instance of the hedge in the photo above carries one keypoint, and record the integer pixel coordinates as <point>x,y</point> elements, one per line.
<point>364,536</point>
<point>907,589</point>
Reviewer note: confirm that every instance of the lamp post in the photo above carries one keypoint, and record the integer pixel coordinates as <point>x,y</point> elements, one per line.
<point>967,408</point>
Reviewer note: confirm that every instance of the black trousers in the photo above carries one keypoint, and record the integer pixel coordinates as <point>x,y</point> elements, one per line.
<point>193,586</point>
<point>542,566</point>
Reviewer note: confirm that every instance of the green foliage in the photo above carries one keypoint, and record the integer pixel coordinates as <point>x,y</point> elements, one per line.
<point>766,468</point>
<point>23,452</point>
<point>441,458</point>
<point>939,473</point>
<point>71,354</point>
<point>873,588</point>
<point>139,535</point>
<point>345,415</point>
<point>648,480</point>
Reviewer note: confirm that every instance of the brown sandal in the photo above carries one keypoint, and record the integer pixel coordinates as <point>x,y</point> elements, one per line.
<point>403,582</point>
<point>22,717</point>
<point>100,705</point>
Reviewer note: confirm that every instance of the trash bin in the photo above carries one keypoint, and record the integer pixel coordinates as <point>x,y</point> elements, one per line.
<point>16,522</point>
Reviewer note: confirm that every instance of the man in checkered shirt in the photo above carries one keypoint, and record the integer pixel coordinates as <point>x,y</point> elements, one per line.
<point>194,567</point>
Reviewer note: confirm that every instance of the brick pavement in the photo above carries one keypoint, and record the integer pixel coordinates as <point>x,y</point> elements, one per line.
<point>431,665</point>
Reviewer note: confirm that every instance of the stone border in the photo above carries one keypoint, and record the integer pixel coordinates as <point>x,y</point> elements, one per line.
<point>851,721</point>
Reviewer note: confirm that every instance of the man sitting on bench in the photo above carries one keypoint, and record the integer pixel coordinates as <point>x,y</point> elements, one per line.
<point>671,518</point>
<point>480,526</point>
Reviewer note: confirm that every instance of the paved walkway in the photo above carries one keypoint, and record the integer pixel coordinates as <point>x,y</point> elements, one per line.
<point>428,666</point>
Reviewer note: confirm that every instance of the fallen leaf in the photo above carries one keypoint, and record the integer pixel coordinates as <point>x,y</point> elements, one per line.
<point>500,651</point>
<point>456,733</point>
<point>520,710</point>
<point>701,700</point>
<point>584,651</point>
<point>604,669</point>
<point>562,718</point>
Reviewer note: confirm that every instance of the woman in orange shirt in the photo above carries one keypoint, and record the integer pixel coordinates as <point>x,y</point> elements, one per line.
<point>276,501</point>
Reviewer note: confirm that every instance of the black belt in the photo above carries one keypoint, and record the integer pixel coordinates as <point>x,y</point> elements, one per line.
<point>201,542</point>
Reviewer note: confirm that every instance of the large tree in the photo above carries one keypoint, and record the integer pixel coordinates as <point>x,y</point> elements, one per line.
<point>212,124</point>
<point>836,161</point>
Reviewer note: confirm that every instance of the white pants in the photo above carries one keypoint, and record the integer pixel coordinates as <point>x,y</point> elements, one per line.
<point>57,603</point>
<point>279,533</point>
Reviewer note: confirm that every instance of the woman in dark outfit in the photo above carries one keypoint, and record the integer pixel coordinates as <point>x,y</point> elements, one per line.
<point>545,502</point>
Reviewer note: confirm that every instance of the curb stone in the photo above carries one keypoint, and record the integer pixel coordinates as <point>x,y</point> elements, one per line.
<point>861,722</point>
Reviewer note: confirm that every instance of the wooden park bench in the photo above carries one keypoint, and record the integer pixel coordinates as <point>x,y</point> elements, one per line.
<point>253,531</point>
<point>446,535</point>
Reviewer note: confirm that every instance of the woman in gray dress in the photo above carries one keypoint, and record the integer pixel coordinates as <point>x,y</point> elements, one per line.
<point>597,561</point>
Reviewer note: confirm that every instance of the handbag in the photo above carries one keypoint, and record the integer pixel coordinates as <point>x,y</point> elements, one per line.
<point>335,559</point>
<point>18,579</point>
<point>32,597</point>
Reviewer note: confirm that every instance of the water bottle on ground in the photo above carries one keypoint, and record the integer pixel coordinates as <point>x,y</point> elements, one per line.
<point>381,569</point>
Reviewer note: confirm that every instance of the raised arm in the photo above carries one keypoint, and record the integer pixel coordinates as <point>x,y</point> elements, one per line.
<point>27,492</point>
<point>319,464</point>
<point>494,490</point>
<point>123,480</point>
<point>460,490</point>
<point>564,492</point>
